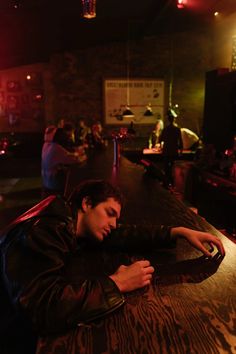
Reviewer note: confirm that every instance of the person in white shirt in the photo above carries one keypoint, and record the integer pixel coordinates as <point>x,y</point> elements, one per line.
<point>189,138</point>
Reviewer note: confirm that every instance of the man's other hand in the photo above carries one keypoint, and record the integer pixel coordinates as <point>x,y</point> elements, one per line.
<point>134,276</point>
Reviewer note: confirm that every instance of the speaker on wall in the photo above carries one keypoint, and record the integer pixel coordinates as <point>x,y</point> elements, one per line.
<point>219,121</point>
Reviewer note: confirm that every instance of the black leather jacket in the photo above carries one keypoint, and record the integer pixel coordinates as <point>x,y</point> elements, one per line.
<point>37,251</point>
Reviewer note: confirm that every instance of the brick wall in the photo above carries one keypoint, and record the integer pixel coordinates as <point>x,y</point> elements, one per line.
<point>73,82</point>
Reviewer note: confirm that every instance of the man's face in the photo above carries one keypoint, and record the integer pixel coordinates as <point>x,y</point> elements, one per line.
<point>97,222</point>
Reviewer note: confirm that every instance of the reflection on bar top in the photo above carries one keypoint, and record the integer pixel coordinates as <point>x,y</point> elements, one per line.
<point>156,151</point>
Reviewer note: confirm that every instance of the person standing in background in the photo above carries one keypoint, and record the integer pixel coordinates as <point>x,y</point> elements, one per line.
<point>83,133</point>
<point>172,145</point>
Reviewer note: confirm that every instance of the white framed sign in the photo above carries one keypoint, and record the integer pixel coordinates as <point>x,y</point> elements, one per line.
<point>139,93</point>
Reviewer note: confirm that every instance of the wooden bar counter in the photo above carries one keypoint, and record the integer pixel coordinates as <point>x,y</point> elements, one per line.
<point>190,306</point>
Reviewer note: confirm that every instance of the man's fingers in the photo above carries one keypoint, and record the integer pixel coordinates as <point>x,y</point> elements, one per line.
<point>211,247</point>
<point>217,243</point>
<point>148,277</point>
<point>149,269</point>
<point>122,267</point>
<point>202,248</point>
<point>219,246</point>
<point>144,263</point>
<point>147,282</point>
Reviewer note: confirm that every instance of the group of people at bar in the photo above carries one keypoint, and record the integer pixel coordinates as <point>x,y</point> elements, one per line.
<point>65,145</point>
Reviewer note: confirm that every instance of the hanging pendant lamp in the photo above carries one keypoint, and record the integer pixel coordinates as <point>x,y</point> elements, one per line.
<point>148,111</point>
<point>127,112</point>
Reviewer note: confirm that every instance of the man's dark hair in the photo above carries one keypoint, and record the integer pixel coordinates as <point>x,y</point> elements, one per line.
<point>97,191</point>
<point>68,126</point>
<point>171,115</point>
<point>60,136</point>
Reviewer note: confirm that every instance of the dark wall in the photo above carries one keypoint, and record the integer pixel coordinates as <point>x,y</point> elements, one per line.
<point>180,58</point>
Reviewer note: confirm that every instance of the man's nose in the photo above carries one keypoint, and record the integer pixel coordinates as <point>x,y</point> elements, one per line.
<point>112,223</point>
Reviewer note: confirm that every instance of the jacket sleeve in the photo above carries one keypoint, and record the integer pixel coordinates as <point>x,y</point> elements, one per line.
<point>141,237</point>
<point>65,157</point>
<point>36,270</point>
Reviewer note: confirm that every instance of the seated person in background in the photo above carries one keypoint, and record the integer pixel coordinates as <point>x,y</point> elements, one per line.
<point>49,133</point>
<point>207,159</point>
<point>55,160</point>
<point>66,138</point>
<point>45,283</point>
<point>131,131</point>
<point>70,143</point>
<point>83,134</point>
<point>61,123</point>
<point>98,137</point>
<point>153,142</point>
<point>69,130</point>
<point>190,139</point>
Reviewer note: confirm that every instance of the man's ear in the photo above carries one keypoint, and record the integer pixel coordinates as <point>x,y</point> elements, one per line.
<point>86,204</point>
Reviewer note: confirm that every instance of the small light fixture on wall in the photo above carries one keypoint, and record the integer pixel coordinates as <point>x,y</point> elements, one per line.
<point>16,4</point>
<point>127,112</point>
<point>148,111</point>
<point>89,8</point>
<point>181,4</point>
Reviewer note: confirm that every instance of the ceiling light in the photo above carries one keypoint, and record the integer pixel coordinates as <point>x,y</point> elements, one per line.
<point>89,8</point>
<point>181,4</point>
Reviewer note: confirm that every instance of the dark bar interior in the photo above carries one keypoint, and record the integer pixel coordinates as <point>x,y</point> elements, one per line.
<point>142,95</point>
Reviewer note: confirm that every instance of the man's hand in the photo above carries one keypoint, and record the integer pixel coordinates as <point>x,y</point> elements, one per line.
<point>198,238</point>
<point>135,276</point>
